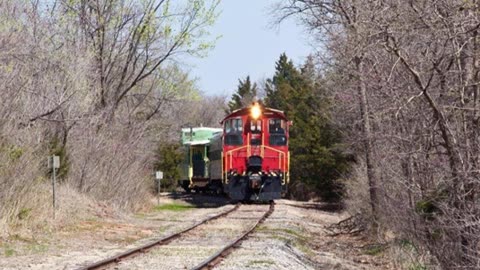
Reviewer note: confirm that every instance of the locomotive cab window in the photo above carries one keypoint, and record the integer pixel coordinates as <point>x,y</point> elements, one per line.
<point>233,131</point>
<point>276,127</point>
<point>256,126</point>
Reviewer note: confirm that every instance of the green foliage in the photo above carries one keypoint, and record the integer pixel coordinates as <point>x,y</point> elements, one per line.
<point>58,148</point>
<point>285,84</point>
<point>375,250</point>
<point>24,213</point>
<point>176,207</point>
<point>436,234</point>
<point>417,266</point>
<point>315,143</point>
<point>177,84</point>
<point>428,206</point>
<point>8,252</point>
<point>408,245</point>
<point>13,152</point>
<point>168,158</point>
<point>195,40</point>
<point>37,248</point>
<point>245,94</point>
<point>428,209</point>
<point>256,263</point>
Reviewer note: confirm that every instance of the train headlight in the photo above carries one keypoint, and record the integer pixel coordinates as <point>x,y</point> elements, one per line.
<point>255,111</point>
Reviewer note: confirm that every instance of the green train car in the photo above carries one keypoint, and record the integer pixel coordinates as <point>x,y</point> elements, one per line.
<point>197,164</point>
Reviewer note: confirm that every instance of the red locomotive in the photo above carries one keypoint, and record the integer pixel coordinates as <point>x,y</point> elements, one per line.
<point>255,153</point>
<point>249,160</point>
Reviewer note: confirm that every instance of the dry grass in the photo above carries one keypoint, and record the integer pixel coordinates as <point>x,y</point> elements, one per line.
<point>34,214</point>
<point>357,197</point>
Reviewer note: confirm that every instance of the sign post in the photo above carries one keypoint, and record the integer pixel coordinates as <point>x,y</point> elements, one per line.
<point>54,164</point>
<point>158,177</point>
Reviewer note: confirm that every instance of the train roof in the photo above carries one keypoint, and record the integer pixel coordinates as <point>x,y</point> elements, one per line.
<point>198,135</point>
<point>265,111</point>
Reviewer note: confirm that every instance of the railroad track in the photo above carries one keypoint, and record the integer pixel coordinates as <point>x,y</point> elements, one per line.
<point>208,263</point>
<point>218,257</point>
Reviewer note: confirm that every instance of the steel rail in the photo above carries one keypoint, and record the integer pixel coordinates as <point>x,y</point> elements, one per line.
<point>162,241</point>
<point>218,257</point>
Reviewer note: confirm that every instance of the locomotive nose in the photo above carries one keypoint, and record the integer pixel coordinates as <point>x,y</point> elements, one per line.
<point>255,181</point>
<point>254,164</point>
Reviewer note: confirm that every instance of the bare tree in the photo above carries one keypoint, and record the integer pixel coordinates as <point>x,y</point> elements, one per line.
<point>328,17</point>
<point>130,40</point>
<point>93,82</point>
<point>415,70</point>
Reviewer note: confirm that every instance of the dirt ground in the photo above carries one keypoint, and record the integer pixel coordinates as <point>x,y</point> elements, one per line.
<point>293,237</point>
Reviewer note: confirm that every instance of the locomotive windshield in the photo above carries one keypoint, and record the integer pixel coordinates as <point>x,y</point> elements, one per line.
<point>233,131</point>
<point>276,127</point>
<point>256,126</point>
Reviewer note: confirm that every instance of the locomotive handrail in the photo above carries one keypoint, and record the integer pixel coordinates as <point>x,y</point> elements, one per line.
<point>282,157</point>
<point>230,153</point>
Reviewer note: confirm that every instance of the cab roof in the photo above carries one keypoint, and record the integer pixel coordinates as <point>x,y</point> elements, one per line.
<point>269,112</point>
<point>198,135</point>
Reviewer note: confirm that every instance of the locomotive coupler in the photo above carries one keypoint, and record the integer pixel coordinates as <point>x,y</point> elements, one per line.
<point>255,181</point>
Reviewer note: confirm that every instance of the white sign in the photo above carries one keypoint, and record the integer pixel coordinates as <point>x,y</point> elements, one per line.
<point>54,162</point>
<point>159,175</point>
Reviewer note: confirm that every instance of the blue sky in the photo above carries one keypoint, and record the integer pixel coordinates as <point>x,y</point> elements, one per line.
<point>249,45</point>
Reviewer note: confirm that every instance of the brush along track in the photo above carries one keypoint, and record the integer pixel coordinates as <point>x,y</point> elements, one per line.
<point>191,246</point>
<point>165,240</point>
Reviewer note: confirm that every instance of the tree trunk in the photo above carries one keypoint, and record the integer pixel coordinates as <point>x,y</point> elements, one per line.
<point>367,136</point>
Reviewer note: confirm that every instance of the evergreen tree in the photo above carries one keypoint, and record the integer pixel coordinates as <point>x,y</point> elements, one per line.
<point>315,160</point>
<point>168,157</point>
<point>246,93</point>
<point>283,85</point>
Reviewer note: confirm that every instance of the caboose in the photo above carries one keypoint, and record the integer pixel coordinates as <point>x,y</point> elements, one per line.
<point>249,159</point>
<point>196,169</point>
